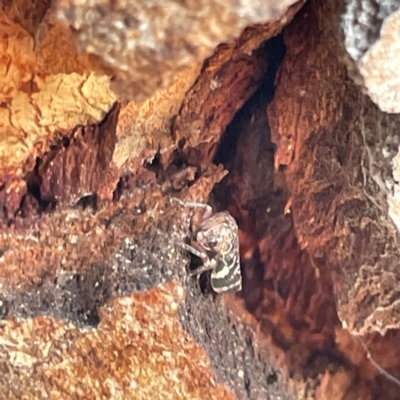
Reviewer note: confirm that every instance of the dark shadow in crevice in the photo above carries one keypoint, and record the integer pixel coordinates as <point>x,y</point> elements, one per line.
<point>246,146</point>
<point>275,49</point>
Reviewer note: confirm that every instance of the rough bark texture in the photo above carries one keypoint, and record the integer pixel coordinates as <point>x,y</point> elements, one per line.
<point>332,141</point>
<point>370,37</point>
<point>95,298</point>
<point>334,147</point>
<point>139,338</point>
<point>144,43</point>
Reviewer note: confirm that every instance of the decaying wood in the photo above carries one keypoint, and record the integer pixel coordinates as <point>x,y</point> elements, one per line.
<point>96,299</point>
<point>333,143</point>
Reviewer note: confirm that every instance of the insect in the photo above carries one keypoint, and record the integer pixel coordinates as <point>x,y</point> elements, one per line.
<point>217,245</point>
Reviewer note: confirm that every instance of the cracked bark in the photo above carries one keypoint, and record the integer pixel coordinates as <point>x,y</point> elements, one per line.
<point>89,234</point>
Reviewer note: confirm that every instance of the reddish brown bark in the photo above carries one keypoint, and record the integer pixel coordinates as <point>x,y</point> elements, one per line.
<point>88,221</point>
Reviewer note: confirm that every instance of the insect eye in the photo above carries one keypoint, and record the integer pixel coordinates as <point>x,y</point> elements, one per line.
<point>213,242</point>
<point>205,241</point>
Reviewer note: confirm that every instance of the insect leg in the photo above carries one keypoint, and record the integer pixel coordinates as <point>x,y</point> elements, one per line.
<point>205,267</point>
<point>208,209</point>
<point>195,251</point>
<point>207,262</point>
<point>199,253</point>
